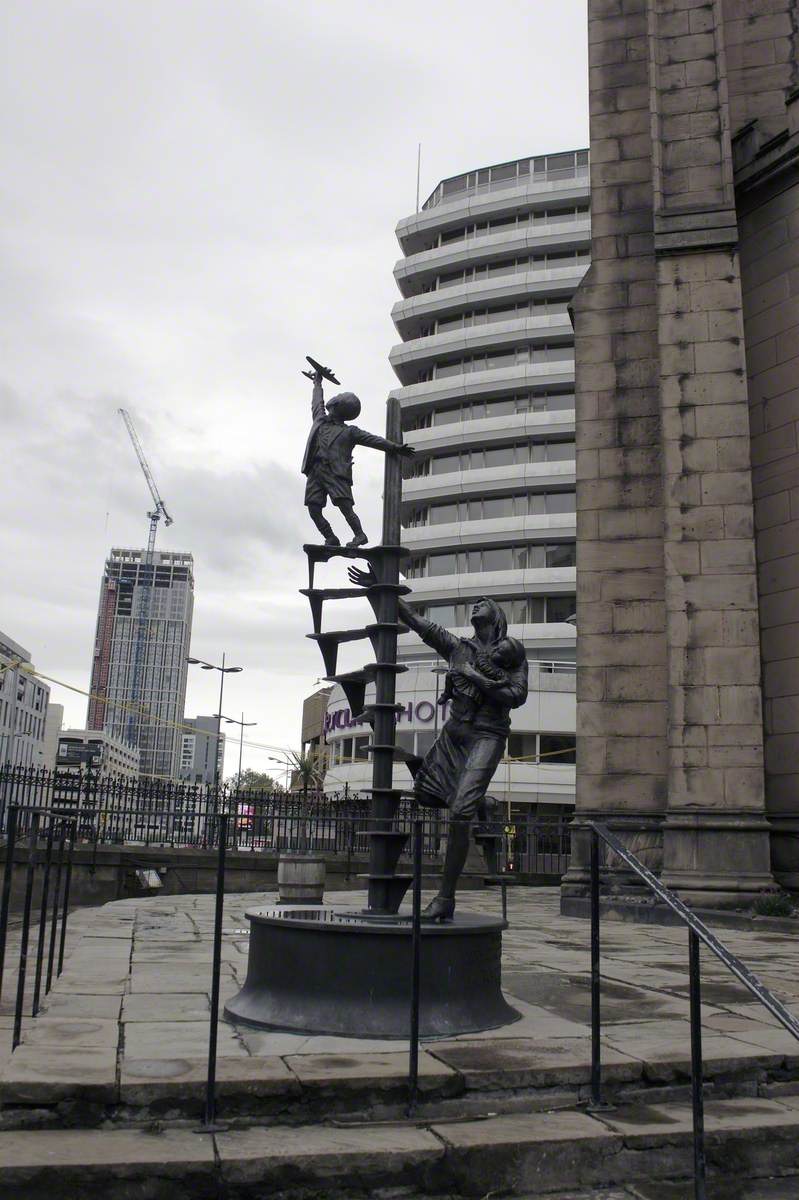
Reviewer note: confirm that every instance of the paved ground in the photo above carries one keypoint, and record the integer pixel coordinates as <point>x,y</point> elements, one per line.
<point>132,1003</point>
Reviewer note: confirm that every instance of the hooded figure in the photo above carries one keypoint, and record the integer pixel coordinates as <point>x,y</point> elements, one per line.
<point>457,769</point>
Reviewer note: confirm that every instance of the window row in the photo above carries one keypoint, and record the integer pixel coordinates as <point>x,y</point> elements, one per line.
<point>491,456</point>
<point>495,361</point>
<point>491,508</point>
<point>492,558</point>
<point>563,165</point>
<point>549,748</point>
<point>507,406</point>
<point>351,749</point>
<point>496,314</point>
<point>506,266</point>
<point>535,216</point>
<point>519,610</point>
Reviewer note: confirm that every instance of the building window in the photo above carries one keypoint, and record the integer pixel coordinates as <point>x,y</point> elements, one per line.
<point>523,745</point>
<point>558,748</point>
<point>493,558</point>
<point>560,608</point>
<point>520,610</point>
<point>361,748</point>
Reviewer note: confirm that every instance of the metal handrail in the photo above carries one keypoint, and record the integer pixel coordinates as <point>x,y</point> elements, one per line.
<point>697,932</point>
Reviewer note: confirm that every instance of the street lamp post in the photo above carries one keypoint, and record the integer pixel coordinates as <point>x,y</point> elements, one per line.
<point>243,724</point>
<point>223,671</point>
<point>288,766</point>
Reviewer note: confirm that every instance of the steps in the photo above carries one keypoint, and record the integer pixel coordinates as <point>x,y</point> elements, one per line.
<point>524,1155</point>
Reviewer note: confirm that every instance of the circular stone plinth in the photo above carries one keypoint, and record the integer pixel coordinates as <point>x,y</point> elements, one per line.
<point>336,971</point>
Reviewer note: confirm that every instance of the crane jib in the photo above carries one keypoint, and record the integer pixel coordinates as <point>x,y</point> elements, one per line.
<point>142,617</point>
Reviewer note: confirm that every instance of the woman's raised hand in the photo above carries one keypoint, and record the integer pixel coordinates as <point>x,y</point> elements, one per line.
<point>361,578</point>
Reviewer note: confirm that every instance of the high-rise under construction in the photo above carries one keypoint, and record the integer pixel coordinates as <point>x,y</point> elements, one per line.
<point>138,688</point>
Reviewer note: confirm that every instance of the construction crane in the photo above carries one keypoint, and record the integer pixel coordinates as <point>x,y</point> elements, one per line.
<point>146,580</point>
<point>160,508</point>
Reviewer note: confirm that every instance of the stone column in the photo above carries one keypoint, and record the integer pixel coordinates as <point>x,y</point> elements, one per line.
<point>621,649</point>
<point>716,846</point>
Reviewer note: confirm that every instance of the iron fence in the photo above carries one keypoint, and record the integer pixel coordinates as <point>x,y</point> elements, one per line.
<point>110,810</point>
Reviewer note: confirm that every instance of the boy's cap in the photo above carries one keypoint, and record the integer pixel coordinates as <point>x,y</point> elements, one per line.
<point>347,405</point>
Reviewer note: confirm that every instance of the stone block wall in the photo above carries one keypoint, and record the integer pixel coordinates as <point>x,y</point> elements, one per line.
<point>670,698</point>
<point>769,225</point>
<point>622,672</point>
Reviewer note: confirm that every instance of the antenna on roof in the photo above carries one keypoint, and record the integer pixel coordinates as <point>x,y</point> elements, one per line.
<point>418,172</point>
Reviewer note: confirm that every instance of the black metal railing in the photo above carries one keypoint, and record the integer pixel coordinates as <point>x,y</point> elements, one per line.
<point>698,933</point>
<point>118,810</point>
<point>49,837</point>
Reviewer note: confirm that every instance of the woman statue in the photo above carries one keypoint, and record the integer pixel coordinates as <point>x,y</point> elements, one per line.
<point>487,677</point>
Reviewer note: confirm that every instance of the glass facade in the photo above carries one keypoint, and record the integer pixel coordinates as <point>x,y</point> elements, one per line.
<point>520,610</point>
<point>523,557</point>
<point>139,670</point>
<point>491,406</point>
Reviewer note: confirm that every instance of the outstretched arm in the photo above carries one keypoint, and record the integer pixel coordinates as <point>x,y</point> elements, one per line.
<point>431,634</point>
<point>361,437</point>
<point>318,398</point>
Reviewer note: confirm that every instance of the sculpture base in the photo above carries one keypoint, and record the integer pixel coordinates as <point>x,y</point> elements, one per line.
<point>320,970</point>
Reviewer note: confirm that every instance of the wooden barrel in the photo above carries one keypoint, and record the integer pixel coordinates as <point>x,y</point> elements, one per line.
<point>301,878</point>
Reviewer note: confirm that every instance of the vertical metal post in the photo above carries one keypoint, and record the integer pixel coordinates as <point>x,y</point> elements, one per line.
<point>26,926</point>
<point>416,962</point>
<point>350,844</point>
<point>697,1099</point>
<point>5,904</point>
<point>210,1093</point>
<point>54,916</point>
<point>596,1064</point>
<point>384,803</point>
<point>65,903</point>
<point>48,858</point>
<point>504,888</point>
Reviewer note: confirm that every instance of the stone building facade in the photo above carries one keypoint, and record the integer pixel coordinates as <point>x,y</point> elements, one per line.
<point>687,366</point>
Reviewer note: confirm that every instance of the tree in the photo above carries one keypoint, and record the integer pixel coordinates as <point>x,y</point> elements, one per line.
<point>308,769</point>
<point>255,781</point>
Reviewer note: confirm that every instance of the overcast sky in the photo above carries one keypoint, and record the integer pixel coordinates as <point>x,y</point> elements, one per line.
<point>195,194</point>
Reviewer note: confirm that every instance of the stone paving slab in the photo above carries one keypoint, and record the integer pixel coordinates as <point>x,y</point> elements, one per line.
<point>652,1121</point>
<point>512,1153</point>
<point>170,1006</point>
<point>67,1033</point>
<point>168,1039</point>
<point>521,1063</point>
<point>118,1147</point>
<point>144,1081</point>
<point>74,1007</point>
<point>38,1075</point>
<point>318,1152</point>
<point>372,1070</point>
<point>665,1059</point>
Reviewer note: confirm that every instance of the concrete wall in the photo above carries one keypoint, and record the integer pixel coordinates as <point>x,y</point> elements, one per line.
<point>111,873</point>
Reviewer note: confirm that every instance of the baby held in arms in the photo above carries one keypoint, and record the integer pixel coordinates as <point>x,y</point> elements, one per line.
<point>494,666</point>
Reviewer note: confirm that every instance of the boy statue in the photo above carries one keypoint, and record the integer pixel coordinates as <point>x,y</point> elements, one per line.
<point>328,459</point>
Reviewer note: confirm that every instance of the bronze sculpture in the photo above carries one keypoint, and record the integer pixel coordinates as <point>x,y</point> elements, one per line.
<point>487,677</point>
<point>327,461</point>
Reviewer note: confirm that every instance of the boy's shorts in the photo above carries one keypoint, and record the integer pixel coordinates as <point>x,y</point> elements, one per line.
<point>323,485</point>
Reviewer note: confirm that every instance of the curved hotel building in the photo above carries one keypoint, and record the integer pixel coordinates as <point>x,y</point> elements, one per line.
<point>486,368</point>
